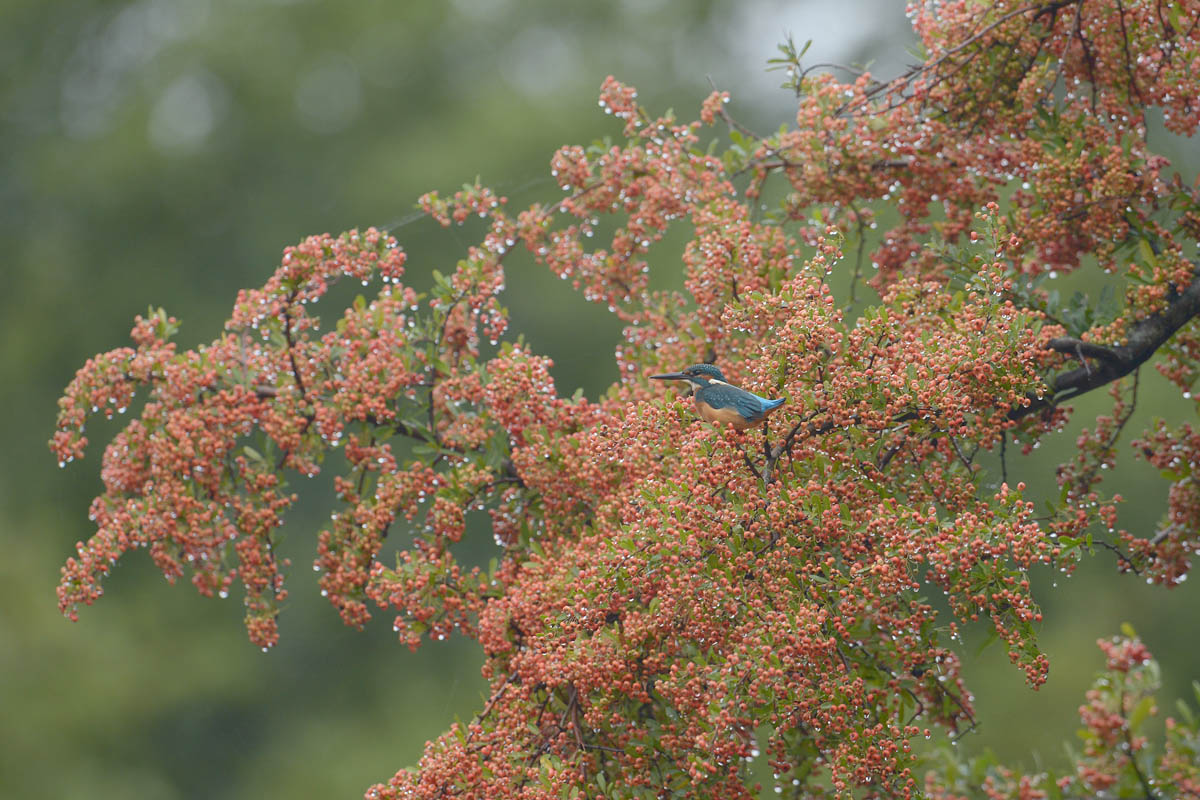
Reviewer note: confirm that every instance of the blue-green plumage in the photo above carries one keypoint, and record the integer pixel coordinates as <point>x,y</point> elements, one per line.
<point>749,405</point>
<point>718,401</point>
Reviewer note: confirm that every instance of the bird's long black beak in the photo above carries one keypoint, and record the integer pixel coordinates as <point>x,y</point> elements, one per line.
<point>670,376</point>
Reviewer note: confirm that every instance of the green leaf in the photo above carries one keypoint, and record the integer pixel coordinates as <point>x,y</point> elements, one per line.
<point>1147,253</point>
<point>1140,712</point>
<point>164,327</point>
<point>992,637</point>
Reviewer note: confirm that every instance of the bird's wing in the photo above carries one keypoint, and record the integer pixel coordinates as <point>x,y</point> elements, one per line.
<point>750,406</point>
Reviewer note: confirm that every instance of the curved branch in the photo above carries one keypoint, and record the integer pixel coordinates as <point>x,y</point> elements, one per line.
<point>1117,361</point>
<point>1082,349</point>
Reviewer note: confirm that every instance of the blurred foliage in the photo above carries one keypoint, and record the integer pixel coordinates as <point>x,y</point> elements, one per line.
<point>1115,756</point>
<point>164,152</point>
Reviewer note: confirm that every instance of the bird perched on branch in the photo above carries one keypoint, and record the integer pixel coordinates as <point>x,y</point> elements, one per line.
<point>720,402</point>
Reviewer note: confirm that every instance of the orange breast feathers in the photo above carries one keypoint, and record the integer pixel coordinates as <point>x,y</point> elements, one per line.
<point>724,416</point>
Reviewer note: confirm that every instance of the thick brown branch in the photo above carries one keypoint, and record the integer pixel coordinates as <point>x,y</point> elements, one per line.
<point>1082,349</point>
<point>1117,361</point>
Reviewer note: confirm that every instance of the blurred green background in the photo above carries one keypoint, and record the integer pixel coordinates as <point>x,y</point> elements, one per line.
<point>164,152</point>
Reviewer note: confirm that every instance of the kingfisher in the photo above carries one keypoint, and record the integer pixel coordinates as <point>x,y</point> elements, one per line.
<point>720,402</point>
